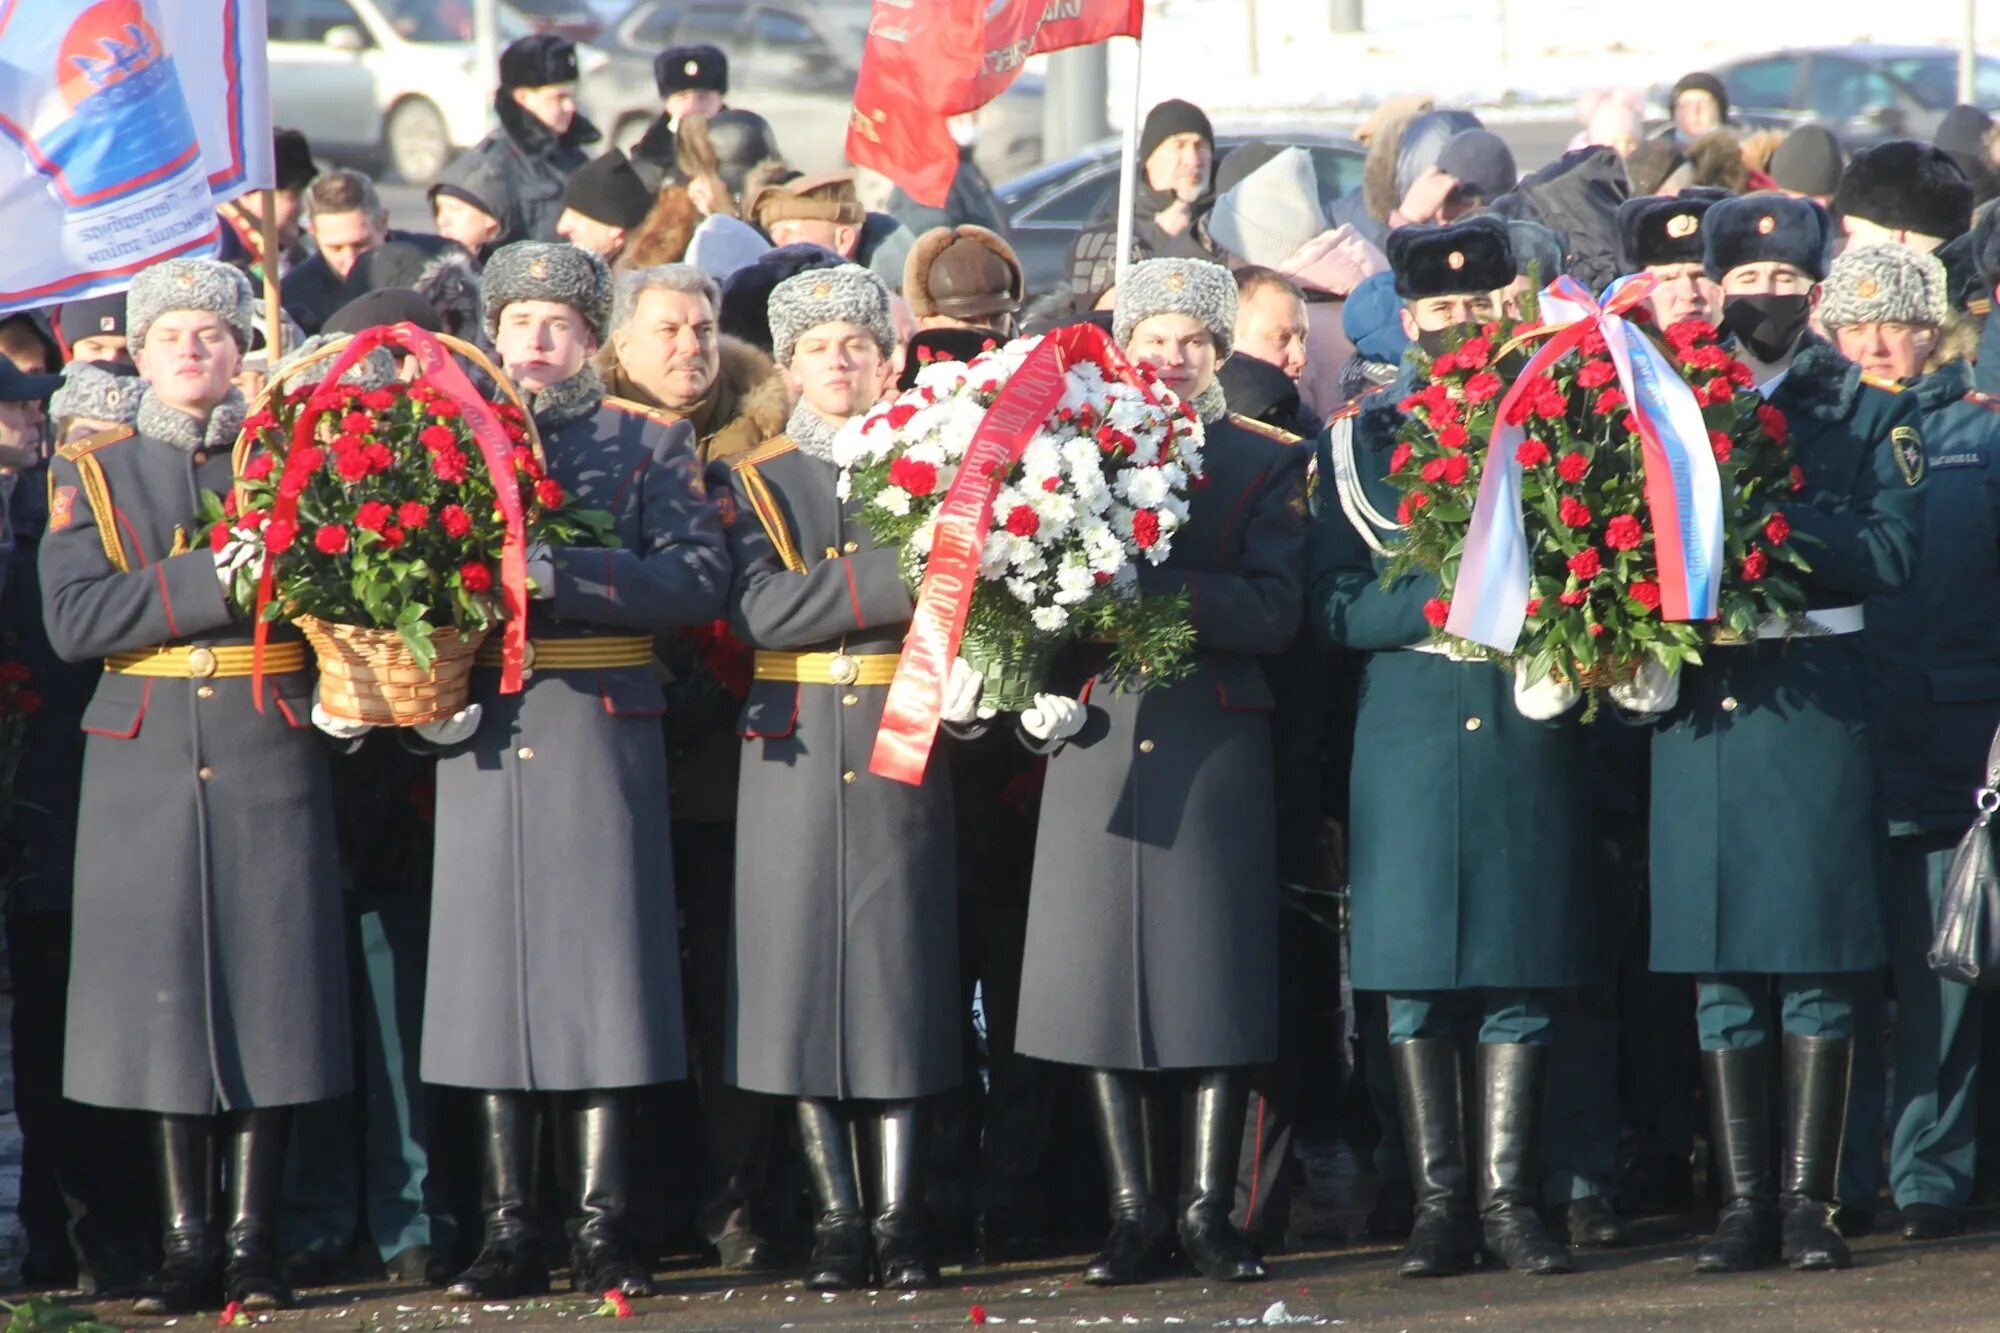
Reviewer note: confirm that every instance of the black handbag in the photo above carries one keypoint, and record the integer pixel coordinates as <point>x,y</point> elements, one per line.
<point>1966,945</point>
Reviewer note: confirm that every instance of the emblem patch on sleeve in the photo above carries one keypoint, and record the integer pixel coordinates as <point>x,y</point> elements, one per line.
<point>1909,449</point>
<point>62,508</point>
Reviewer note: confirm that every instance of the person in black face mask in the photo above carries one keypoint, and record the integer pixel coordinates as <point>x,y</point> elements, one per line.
<point>1764,863</point>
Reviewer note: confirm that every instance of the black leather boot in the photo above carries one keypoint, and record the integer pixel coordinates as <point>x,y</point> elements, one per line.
<point>254,1276</point>
<point>1136,1248</point>
<point>1739,1099</point>
<point>189,1277</point>
<point>1211,1144</point>
<point>1511,1079</point>
<point>601,1256</point>
<point>1816,1076</point>
<point>842,1257</point>
<point>510,1263</point>
<point>1443,1239</point>
<point>902,1140</point>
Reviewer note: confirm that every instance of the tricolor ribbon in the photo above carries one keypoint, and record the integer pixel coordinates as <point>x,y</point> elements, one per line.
<point>1683,488</point>
<point>915,705</point>
<point>436,365</point>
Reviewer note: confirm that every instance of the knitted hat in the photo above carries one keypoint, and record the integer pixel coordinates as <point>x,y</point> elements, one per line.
<point>1703,82</point>
<point>1463,259</point>
<point>965,272</point>
<point>1192,287</point>
<point>1878,284</point>
<point>1766,225</point>
<point>1372,319</point>
<point>1269,214</point>
<point>684,68</point>
<point>92,317</point>
<point>607,190</point>
<point>1481,162</point>
<point>847,294</point>
<point>1657,230</point>
<point>1906,186</point>
<point>1809,161</point>
<point>189,284</point>
<point>537,61</point>
<point>1169,118</point>
<point>548,271</point>
<point>723,244</point>
<point>90,390</point>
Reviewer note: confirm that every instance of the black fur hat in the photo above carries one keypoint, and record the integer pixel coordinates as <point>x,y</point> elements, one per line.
<point>538,60</point>
<point>1906,186</point>
<point>746,293</point>
<point>1767,225</point>
<point>1463,258</point>
<point>294,159</point>
<point>1664,229</point>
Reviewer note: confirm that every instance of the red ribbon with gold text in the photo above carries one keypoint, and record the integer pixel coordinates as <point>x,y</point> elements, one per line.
<point>915,705</point>
<point>436,365</point>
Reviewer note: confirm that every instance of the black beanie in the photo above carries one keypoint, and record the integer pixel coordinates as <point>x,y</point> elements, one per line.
<point>1809,161</point>
<point>1703,82</point>
<point>1172,117</point>
<point>294,160</point>
<point>606,189</point>
<point>538,61</point>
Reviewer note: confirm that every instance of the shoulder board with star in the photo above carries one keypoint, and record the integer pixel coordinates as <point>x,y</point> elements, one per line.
<point>630,408</point>
<point>1352,407</point>
<point>1877,382</point>
<point>765,452</point>
<point>1991,402</point>
<point>1268,431</point>
<point>90,444</point>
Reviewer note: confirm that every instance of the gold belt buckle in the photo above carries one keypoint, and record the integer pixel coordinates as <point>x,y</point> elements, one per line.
<point>201,663</point>
<point>843,670</point>
<point>528,659</point>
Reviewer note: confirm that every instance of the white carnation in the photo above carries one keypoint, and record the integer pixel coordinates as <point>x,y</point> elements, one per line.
<point>1049,619</point>
<point>1143,487</point>
<point>893,499</point>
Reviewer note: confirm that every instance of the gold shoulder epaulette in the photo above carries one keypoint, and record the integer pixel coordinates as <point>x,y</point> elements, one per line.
<point>1263,428</point>
<point>90,444</point>
<point>1352,407</point>
<point>769,449</point>
<point>1877,382</point>
<point>632,408</point>
<point>1981,306</point>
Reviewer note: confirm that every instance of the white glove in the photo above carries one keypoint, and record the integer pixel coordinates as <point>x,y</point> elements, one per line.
<point>339,727</point>
<point>1653,690</point>
<point>542,571</point>
<point>237,554</point>
<point>961,694</point>
<point>451,730</point>
<point>1544,699</point>
<point>1055,717</point>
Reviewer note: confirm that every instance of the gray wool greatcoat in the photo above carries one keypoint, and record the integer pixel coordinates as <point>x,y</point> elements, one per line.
<point>209,952</point>
<point>845,974</point>
<point>1153,919</point>
<point>555,946</point>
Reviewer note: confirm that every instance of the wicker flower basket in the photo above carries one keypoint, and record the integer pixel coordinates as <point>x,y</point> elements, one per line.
<point>1015,665</point>
<point>368,675</point>
<point>1603,675</point>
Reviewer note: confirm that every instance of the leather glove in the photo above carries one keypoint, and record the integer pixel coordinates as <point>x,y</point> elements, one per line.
<point>451,730</point>
<point>339,727</point>
<point>237,554</point>
<point>961,694</point>
<point>1653,690</point>
<point>1055,717</point>
<point>541,571</point>
<point>1544,699</point>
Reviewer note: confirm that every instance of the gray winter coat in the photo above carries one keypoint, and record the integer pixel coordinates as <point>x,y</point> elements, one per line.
<point>845,979</point>
<point>555,949</point>
<point>209,966</point>
<point>1153,921</point>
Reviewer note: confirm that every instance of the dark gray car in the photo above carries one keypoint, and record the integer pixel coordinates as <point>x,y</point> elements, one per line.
<point>1864,94</point>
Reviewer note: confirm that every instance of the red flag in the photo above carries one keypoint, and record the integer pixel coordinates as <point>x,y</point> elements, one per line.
<point>927,62</point>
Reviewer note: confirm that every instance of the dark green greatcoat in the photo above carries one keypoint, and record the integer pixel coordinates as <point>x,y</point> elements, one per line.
<point>1468,821</point>
<point>1766,831</point>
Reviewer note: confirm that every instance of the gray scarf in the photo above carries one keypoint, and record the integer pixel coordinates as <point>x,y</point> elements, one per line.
<point>811,432</point>
<point>156,420</point>
<point>1210,405</point>
<point>572,400</point>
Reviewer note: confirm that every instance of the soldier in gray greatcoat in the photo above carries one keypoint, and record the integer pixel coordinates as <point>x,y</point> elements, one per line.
<point>845,985</point>
<point>209,981</point>
<point>1152,924</point>
<point>554,945</point>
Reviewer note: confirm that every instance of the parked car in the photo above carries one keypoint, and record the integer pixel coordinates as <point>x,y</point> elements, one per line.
<point>794,62</point>
<point>1048,206</point>
<point>1864,94</point>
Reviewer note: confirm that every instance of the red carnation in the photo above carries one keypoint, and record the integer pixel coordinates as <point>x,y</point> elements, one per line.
<point>412,514</point>
<point>352,464</point>
<point>1688,333</point>
<point>1774,423</point>
<point>1645,594</point>
<point>1592,343</point>
<point>1572,467</point>
<point>444,407</point>
<point>918,478</point>
<point>1445,363</point>
<point>1534,607</point>
<point>1437,611</point>
<point>455,521</point>
<point>218,537</point>
<point>1532,453</point>
<point>1609,401</point>
<point>1722,445</point>
<point>1776,529</point>
<point>900,414</point>
<point>1401,457</point>
<point>1433,470</point>
<point>379,457</point>
<point>378,400</point>
<point>1145,529</point>
<point>357,423</point>
<point>1798,478</point>
<point>279,534</point>
<point>1474,353</point>
<point>1573,511</point>
<point>392,536</point>
<point>1049,484</point>
<point>1403,511</point>
<point>1022,521</point>
<point>437,437</point>
<point>1586,563</point>
<point>1596,374</point>
<point>1574,597</point>
<point>258,468</point>
<point>1717,391</point>
<point>1739,374</point>
<point>258,421</point>
<point>1755,565</point>
<point>1623,533</point>
<point>1455,468</point>
<point>475,576</point>
<point>1596,630</point>
<point>331,539</point>
<point>527,464</point>
<point>449,465</point>
<point>1418,499</point>
<point>550,493</point>
<point>309,459</point>
<point>373,516</point>
<point>1481,387</point>
<point>1453,436</point>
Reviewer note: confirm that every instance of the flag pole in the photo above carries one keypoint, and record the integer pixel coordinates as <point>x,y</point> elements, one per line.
<point>1128,164</point>
<point>274,314</point>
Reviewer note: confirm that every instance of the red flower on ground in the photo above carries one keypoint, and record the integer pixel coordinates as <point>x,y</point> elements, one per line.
<point>1776,529</point>
<point>455,521</point>
<point>1755,566</point>
<point>1531,453</point>
<point>1436,611</point>
<point>1646,594</point>
<point>1586,564</point>
<point>374,516</point>
<point>331,539</point>
<point>1573,512</point>
<point>476,577</point>
<point>1146,529</point>
<point>1022,521</point>
<point>412,514</point>
<point>1573,467</point>
<point>1623,533</point>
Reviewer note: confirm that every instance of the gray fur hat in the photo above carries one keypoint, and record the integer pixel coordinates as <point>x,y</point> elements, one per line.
<point>89,390</point>
<point>1192,287</point>
<point>190,284</point>
<point>548,271</point>
<point>847,293</point>
<point>1884,284</point>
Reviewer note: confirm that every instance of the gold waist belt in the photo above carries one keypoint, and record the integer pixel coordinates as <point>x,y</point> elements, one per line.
<point>827,668</point>
<point>204,663</point>
<point>625,650</point>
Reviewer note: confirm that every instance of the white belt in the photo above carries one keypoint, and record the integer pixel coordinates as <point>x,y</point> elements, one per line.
<point>1816,624</point>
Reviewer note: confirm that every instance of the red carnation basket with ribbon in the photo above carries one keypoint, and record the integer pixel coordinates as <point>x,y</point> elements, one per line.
<point>391,525</point>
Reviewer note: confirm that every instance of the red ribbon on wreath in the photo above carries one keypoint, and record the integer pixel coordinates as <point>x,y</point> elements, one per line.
<point>438,366</point>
